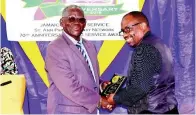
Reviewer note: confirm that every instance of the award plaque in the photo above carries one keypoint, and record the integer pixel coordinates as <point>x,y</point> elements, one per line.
<point>116,82</point>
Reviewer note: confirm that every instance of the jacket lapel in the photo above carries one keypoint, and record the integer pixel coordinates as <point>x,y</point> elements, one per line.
<point>93,57</point>
<point>77,52</point>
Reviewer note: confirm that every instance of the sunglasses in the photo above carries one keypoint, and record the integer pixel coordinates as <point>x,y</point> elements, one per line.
<point>73,20</point>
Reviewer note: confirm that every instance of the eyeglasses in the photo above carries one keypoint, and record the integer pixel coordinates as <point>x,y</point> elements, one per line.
<point>73,19</point>
<point>128,29</point>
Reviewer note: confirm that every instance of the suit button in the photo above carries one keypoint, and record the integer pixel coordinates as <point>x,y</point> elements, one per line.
<point>95,88</point>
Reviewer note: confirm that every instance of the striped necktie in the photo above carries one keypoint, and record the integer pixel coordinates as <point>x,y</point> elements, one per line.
<point>78,45</point>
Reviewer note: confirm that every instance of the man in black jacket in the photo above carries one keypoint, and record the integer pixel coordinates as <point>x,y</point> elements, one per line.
<point>150,84</point>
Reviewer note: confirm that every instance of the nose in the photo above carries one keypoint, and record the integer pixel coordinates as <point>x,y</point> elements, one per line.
<point>76,22</point>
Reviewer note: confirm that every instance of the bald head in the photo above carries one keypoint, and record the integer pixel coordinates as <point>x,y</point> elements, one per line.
<point>138,16</point>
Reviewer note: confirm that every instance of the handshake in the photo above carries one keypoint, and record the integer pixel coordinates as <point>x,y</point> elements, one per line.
<point>106,102</point>
<point>108,89</point>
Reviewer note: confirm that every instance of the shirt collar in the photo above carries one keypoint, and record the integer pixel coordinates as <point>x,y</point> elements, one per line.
<point>147,34</point>
<point>72,39</point>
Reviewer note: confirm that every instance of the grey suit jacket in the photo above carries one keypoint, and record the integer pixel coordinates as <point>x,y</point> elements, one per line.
<point>72,86</point>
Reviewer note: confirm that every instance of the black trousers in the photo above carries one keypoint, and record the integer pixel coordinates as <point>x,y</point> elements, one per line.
<point>173,111</point>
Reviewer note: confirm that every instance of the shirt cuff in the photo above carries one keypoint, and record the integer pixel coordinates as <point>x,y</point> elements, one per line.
<point>116,99</point>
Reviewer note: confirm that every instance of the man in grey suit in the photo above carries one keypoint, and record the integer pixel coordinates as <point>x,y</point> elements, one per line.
<point>72,68</point>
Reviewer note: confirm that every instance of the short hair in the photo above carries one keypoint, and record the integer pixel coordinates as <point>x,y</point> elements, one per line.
<point>138,16</point>
<point>65,10</point>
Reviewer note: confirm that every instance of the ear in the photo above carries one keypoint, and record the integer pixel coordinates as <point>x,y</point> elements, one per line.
<point>61,22</point>
<point>85,25</point>
<point>143,26</point>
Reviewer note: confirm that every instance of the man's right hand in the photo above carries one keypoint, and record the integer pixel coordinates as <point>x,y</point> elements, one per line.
<point>105,104</point>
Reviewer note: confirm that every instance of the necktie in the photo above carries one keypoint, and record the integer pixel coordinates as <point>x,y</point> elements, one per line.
<point>78,45</point>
